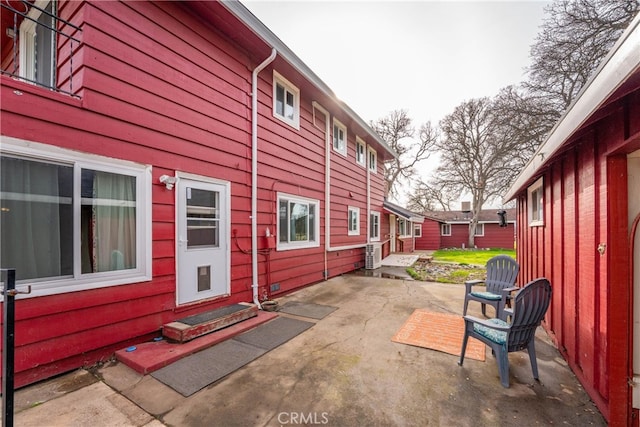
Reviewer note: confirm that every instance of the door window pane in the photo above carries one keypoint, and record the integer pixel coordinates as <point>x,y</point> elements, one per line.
<point>203,218</point>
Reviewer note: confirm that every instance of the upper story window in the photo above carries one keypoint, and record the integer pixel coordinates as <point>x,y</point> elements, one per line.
<point>39,33</point>
<point>479,230</point>
<point>298,223</point>
<point>373,160</point>
<point>445,229</point>
<point>339,137</point>
<point>417,230</point>
<point>354,221</point>
<point>286,101</point>
<point>72,222</point>
<point>374,226</point>
<point>360,152</point>
<point>38,44</point>
<point>535,203</point>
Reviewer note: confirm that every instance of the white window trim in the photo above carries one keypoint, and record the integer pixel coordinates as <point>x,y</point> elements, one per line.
<point>80,282</point>
<point>355,210</point>
<point>373,166</point>
<point>417,230</point>
<point>476,234</point>
<point>360,143</point>
<point>27,41</point>
<point>408,225</point>
<point>286,246</point>
<point>343,150</point>
<point>442,228</point>
<point>278,79</point>
<point>377,215</point>
<point>538,185</point>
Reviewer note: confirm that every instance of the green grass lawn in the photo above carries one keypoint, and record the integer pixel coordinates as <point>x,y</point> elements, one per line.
<point>470,256</point>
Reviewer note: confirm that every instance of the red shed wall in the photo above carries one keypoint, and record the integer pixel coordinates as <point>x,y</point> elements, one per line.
<point>157,86</point>
<point>585,207</point>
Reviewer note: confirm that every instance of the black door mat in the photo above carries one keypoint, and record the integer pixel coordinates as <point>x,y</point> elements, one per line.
<point>213,314</point>
<point>305,309</point>
<point>195,372</point>
<point>274,333</point>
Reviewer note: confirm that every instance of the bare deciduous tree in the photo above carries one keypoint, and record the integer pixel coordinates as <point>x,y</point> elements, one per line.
<point>427,197</point>
<point>478,154</point>
<point>573,39</point>
<point>398,132</point>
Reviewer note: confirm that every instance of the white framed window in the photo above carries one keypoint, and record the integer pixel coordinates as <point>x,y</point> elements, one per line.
<point>298,222</point>
<point>535,203</point>
<point>354,221</point>
<point>374,226</point>
<point>38,44</point>
<point>404,227</point>
<point>373,160</point>
<point>286,101</point>
<point>73,221</point>
<point>360,152</point>
<point>445,229</point>
<point>479,230</point>
<point>417,230</point>
<point>339,137</point>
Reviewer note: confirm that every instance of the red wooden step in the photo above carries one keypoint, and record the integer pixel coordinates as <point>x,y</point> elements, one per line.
<point>191,327</point>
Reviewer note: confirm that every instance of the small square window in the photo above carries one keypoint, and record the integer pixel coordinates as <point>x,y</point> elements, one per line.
<point>354,221</point>
<point>479,230</point>
<point>417,230</point>
<point>298,224</point>
<point>445,229</point>
<point>360,152</point>
<point>535,204</point>
<point>339,137</point>
<point>286,101</point>
<point>373,160</point>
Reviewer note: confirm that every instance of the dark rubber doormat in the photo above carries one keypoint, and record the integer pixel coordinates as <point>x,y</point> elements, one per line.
<point>195,372</point>
<point>274,333</point>
<point>305,309</point>
<point>211,315</point>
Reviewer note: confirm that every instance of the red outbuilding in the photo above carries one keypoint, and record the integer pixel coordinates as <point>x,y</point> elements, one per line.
<point>450,229</point>
<point>161,159</point>
<point>578,211</point>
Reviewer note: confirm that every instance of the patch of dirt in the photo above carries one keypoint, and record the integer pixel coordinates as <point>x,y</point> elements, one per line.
<point>446,272</point>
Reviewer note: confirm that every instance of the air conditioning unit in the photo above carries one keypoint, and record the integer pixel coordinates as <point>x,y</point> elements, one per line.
<point>373,256</point>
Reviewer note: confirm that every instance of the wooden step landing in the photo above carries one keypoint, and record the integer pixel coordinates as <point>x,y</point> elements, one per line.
<point>191,327</point>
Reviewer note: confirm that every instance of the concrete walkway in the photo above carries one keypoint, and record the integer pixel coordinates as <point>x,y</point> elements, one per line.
<point>344,371</point>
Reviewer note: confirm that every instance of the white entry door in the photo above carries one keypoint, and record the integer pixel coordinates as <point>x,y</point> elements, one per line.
<point>202,240</point>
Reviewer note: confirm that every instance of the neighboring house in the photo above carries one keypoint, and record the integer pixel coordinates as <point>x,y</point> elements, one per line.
<point>578,210</point>
<point>405,228</point>
<point>162,159</point>
<point>450,229</point>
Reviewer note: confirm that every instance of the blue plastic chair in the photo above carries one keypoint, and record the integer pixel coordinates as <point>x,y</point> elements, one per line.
<point>529,306</point>
<point>502,271</point>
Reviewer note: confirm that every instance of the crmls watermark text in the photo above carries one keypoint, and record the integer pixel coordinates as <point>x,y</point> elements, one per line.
<point>302,418</point>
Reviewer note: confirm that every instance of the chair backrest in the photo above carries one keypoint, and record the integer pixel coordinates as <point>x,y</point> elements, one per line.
<point>502,271</point>
<point>529,307</point>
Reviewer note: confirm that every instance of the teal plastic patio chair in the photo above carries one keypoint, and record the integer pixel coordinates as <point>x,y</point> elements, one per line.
<point>502,271</point>
<point>529,306</point>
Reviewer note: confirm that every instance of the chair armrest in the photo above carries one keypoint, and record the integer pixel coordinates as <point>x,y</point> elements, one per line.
<point>470,283</point>
<point>487,323</point>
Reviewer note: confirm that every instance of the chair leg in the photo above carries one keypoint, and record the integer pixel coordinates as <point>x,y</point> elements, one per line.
<point>466,304</point>
<point>464,347</point>
<point>484,309</point>
<point>531,349</point>
<point>502,358</point>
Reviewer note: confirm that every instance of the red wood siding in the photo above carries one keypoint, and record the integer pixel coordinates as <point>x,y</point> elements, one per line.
<point>159,86</point>
<point>430,239</point>
<point>585,205</point>
<point>494,237</point>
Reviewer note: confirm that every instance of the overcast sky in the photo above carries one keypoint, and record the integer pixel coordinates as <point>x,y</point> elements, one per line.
<point>426,57</point>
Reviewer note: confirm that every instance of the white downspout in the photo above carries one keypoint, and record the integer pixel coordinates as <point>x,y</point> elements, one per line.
<point>327,184</point>
<point>254,173</point>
